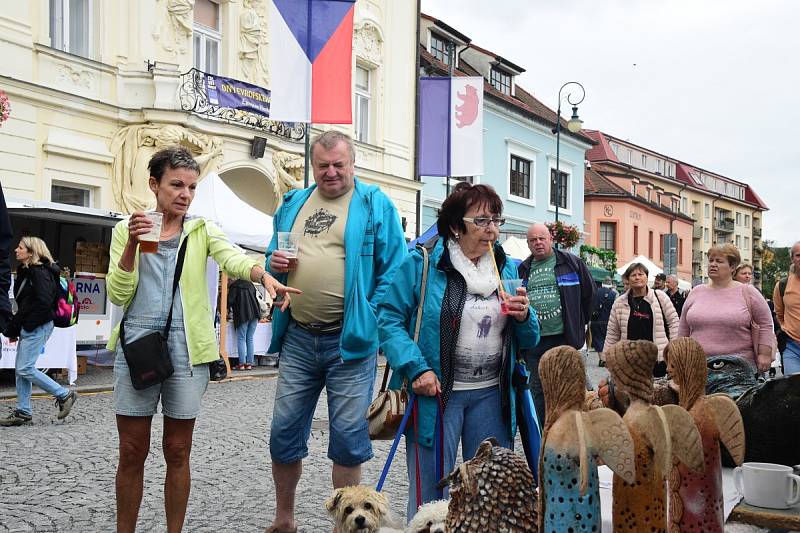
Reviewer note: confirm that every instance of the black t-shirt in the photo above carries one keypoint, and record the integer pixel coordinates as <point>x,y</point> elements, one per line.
<point>640,323</point>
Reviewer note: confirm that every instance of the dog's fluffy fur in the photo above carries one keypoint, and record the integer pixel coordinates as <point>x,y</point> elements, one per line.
<point>430,518</point>
<point>360,509</point>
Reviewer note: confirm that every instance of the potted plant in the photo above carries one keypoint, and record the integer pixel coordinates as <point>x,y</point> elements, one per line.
<point>564,235</point>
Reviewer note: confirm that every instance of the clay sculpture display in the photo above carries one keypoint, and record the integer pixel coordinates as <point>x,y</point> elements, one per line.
<point>660,435</point>
<point>696,499</point>
<point>572,442</point>
<point>493,491</point>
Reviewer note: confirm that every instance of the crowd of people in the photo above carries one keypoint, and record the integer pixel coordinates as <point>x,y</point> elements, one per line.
<point>353,289</point>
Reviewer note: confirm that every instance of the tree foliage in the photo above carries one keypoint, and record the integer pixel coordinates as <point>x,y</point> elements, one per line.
<point>774,265</point>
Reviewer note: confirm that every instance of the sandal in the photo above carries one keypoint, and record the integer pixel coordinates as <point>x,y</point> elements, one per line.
<point>276,529</point>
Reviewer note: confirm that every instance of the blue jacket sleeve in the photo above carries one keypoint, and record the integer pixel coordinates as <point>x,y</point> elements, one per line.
<point>390,248</point>
<point>527,332</point>
<point>273,243</point>
<point>396,311</point>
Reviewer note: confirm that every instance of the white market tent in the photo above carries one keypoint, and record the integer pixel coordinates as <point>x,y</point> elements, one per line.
<point>516,248</point>
<point>242,223</point>
<point>652,270</point>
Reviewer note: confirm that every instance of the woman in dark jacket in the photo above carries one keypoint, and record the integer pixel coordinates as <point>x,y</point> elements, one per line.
<point>242,301</point>
<point>35,294</point>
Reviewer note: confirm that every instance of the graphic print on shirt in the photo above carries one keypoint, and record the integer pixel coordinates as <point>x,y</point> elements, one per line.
<point>320,221</point>
<point>545,296</point>
<point>479,347</point>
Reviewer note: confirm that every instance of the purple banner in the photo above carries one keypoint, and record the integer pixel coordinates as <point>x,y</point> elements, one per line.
<point>235,94</point>
<point>434,127</point>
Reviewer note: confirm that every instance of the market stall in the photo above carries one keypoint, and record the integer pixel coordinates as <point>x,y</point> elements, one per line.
<point>59,352</point>
<point>261,339</point>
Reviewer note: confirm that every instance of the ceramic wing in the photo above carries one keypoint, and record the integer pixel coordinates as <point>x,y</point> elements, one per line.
<point>608,438</point>
<point>729,422</point>
<point>687,446</point>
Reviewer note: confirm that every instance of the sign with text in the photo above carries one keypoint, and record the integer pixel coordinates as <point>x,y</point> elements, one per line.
<point>671,253</point>
<point>235,94</point>
<point>91,295</point>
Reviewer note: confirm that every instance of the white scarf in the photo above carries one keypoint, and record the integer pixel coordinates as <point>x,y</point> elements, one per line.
<point>481,278</point>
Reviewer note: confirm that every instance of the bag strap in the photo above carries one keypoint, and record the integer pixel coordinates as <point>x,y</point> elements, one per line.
<point>420,307</point>
<point>663,316</point>
<point>176,278</point>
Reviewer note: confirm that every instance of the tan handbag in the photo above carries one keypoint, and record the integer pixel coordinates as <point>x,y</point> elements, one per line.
<point>387,409</point>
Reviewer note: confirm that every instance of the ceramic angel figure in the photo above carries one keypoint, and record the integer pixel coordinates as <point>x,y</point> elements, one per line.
<point>661,435</point>
<point>696,499</point>
<point>572,442</point>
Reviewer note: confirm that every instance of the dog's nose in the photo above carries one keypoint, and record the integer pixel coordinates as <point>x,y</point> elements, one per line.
<point>360,520</point>
<point>438,530</point>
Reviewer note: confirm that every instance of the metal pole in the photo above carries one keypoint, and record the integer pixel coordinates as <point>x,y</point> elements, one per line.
<point>417,178</point>
<point>558,155</point>
<point>451,56</point>
<point>307,166</point>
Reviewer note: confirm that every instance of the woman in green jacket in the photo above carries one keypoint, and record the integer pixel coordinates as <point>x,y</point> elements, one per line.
<point>143,284</point>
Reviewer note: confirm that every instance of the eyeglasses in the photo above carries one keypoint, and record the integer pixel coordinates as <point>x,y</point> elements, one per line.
<point>483,222</point>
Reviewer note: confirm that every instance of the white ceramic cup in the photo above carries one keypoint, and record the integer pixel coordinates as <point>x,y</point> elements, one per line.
<point>767,485</point>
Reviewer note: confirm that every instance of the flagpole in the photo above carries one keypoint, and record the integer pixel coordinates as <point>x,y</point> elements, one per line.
<point>451,54</point>
<point>306,165</point>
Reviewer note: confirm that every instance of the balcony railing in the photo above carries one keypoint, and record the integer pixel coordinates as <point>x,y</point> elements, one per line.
<point>697,232</point>
<point>757,233</point>
<point>697,256</point>
<point>723,226</point>
<point>193,96</point>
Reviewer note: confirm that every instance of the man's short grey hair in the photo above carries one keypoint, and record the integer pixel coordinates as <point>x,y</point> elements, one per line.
<point>672,277</point>
<point>331,138</point>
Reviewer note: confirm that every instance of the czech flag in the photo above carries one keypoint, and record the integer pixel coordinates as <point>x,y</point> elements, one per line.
<point>311,61</point>
<point>450,126</point>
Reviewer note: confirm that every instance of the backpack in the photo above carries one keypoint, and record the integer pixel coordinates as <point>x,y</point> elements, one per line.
<point>66,307</point>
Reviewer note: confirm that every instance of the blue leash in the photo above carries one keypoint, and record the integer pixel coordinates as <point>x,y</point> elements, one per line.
<point>411,398</point>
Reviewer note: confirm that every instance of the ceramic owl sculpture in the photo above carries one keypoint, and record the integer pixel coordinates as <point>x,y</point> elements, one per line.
<point>661,435</point>
<point>696,498</point>
<point>573,441</point>
<point>493,491</point>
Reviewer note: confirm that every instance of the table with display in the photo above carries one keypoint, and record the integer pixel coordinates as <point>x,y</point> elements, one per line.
<point>58,352</point>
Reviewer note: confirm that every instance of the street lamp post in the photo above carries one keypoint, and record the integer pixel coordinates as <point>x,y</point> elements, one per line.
<point>574,125</point>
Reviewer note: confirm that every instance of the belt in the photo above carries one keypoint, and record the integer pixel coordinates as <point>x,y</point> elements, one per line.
<point>317,329</point>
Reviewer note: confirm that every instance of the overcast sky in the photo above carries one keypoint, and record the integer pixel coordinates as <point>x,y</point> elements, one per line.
<point>713,83</point>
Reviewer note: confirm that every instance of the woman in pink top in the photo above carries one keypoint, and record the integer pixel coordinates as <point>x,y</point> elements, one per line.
<point>719,315</point>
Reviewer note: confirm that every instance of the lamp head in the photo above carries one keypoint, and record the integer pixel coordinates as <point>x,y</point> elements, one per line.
<point>575,124</point>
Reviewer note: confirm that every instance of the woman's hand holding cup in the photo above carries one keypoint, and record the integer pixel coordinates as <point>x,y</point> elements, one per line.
<point>138,225</point>
<point>518,305</point>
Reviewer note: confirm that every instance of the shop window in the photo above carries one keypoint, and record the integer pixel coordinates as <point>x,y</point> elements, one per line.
<point>206,36</point>
<point>70,29</point>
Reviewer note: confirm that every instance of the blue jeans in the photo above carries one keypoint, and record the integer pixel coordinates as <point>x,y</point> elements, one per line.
<point>791,357</point>
<point>470,417</point>
<point>29,348</point>
<point>244,334</point>
<point>309,363</point>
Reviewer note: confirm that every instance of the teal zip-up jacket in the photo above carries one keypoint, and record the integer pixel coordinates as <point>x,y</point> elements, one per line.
<point>374,247</point>
<point>397,316</point>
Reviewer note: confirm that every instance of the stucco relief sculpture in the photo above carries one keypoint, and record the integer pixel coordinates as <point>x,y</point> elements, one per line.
<point>253,42</point>
<point>660,435</point>
<point>289,171</point>
<point>177,28</point>
<point>572,442</point>
<point>133,146</point>
<point>696,499</point>
<point>367,42</point>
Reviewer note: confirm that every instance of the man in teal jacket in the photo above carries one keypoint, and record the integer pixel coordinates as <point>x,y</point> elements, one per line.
<point>350,242</point>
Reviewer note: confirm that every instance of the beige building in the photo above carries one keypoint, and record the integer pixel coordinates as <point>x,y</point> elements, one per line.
<point>723,209</point>
<point>96,86</point>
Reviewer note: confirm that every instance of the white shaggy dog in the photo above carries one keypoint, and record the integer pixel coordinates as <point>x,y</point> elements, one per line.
<point>360,509</point>
<point>430,518</point>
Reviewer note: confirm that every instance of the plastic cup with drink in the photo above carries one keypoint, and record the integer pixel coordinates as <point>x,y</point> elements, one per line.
<point>508,288</point>
<point>148,243</point>
<point>288,244</point>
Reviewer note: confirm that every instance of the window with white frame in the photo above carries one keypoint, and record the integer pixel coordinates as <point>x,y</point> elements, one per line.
<point>559,188</point>
<point>644,161</point>
<point>684,205</point>
<point>708,211</point>
<point>501,81</point>
<point>206,36</point>
<point>615,149</point>
<point>747,243</point>
<point>738,218</point>
<point>70,195</point>
<point>608,235</point>
<point>739,241</point>
<point>705,235</point>
<point>747,221</point>
<point>70,28</point>
<point>520,177</point>
<point>363,94</point>
<point>440,48</point>
<point>658,166</point>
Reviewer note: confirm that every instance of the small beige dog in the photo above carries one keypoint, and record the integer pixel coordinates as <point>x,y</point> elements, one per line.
<point>360,509</point>
<point>430,518</point>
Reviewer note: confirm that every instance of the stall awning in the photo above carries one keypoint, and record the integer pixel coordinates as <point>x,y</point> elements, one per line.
<point>62,212</point>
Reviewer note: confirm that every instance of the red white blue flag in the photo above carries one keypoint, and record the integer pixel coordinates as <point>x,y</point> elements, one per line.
<point>311,61</point>
<point>451,126</point>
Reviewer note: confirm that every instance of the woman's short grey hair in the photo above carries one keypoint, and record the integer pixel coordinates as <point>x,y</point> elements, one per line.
<point>173,157</point>
<point>330,139</point>
<point>633,268</point>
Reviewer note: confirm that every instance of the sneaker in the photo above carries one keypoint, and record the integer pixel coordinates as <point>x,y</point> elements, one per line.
<point>65,405</point>
<point>16,418</point>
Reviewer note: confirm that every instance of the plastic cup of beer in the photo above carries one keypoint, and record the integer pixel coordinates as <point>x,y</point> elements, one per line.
<point>509,289</point>
<point>148,243</point>
<point>288,244</point>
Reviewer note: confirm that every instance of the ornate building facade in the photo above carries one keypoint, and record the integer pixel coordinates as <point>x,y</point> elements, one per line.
<point>97,86</point>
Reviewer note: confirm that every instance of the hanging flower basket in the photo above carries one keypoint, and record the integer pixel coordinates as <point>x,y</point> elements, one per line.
<point>565,235</point>
<point>5,107</point>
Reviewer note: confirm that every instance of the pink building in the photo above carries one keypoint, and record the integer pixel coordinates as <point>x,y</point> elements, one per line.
<point>631,225</point>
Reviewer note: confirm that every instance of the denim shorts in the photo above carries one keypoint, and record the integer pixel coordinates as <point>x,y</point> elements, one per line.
<point>180,394</point>
<point>309,363</point>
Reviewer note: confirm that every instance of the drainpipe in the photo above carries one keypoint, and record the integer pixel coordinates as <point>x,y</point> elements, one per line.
<point>417,177</point>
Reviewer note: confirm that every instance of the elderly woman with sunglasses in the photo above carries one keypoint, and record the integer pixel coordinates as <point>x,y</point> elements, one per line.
<point>468,342</point>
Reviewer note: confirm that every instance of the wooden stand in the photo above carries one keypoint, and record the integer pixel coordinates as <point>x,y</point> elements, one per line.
<point>223,320</point>
<point>766,518</point>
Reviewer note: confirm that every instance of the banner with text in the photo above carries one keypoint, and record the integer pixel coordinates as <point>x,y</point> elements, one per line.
<point>235,94</point>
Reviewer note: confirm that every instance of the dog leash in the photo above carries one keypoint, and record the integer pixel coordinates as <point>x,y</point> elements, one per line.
<point>400,430</point>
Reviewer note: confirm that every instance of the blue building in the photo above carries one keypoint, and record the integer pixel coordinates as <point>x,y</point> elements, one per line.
<point>519,145</point>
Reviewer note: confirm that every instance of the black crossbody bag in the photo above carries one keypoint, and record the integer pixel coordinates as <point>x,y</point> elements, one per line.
<point>148,358</point>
